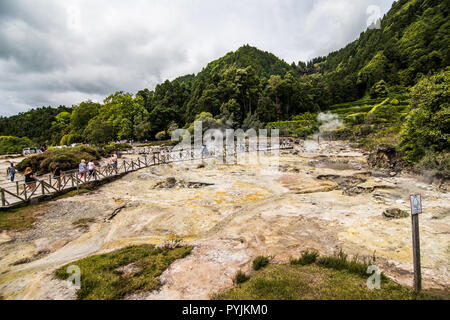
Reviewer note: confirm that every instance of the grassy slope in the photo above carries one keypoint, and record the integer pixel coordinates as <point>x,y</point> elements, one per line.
<point>314,282</point>
<point>130,270</point>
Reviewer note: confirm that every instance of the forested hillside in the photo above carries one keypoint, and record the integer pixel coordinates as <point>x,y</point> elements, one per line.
<point>252,88</point>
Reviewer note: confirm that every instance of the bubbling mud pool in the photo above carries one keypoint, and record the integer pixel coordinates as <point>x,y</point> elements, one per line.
<point>322,198</point>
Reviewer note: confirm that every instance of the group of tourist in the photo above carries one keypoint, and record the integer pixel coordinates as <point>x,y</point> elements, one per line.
<point>88,169</point>
<point>84,170</point>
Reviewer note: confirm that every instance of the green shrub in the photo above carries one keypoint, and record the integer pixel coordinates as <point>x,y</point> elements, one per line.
<point>340,261</point>
<point>240,277</point>
<point>307,257</point>
<point>435,164</point>
<point>427,125</point>
<point>395,102</point>
<point>65,158</point>
<point>10,145</point>
<point>260,262</point>
<point>379,90</point>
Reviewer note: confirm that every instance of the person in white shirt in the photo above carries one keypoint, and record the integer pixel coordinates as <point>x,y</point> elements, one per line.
<point>91,168</point>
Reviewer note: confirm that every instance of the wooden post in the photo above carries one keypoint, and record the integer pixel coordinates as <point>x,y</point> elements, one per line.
<point>416,210</point>
<point>78,184</point>
<point>17,188</point>
<point>416,253</point>
<point>25,191</point>
<point>3,198</point>
<point>42,187</point>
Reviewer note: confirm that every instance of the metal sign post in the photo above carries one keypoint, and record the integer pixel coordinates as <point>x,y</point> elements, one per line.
<point>416,210</point>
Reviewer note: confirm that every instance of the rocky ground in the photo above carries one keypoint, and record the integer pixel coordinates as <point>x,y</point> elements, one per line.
<point>322,197</point>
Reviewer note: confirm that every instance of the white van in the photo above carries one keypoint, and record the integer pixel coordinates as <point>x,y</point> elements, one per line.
<point>30,151</point>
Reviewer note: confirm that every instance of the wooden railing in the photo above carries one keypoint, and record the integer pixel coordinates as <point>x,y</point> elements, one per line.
<point>20,192</point>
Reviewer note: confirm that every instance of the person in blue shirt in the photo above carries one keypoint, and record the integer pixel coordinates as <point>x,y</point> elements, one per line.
<point>82,169</point>
<point>11,171</point>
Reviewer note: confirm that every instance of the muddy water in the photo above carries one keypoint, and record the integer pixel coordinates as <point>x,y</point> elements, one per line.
<point>230,214</point>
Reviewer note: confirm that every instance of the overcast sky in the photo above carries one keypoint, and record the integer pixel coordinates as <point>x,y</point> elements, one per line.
<point>55,52</point>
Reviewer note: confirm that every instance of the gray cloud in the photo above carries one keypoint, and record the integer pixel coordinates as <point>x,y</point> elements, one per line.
<point>56,52</point>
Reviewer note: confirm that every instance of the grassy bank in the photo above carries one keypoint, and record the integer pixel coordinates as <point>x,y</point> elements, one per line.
<point>314,277</point>
<point>314,282</point>
<point>130,270</point>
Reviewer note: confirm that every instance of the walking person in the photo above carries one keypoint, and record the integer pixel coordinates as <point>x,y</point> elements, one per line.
<point>82,169</point>
<point>11,171</point>
<point>113,162</point>
<point>57,175</point>
<point>30,180</point>
<point>91,169</point>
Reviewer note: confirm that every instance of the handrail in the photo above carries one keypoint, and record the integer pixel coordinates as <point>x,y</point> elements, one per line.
<point>19,191</point>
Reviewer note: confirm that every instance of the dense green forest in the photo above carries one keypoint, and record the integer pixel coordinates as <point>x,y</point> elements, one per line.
<point>253,88</point>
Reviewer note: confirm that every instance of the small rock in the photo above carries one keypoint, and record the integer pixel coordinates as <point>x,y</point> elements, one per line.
<point>393,174</point>
<point>395,214</point>
<point>171,180</point>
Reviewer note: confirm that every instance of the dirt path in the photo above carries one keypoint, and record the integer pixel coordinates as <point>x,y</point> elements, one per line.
<point>321,197</point>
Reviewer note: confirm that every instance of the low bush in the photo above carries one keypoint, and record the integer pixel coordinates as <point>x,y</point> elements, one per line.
<point>340,261</point>
<point>260,262</point>
<point>240,277</point>
<point>307,257</point>
<point>65,158</point>
<point>435,165</point>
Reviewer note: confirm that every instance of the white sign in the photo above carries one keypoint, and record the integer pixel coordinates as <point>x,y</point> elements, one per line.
<point>416,204</point>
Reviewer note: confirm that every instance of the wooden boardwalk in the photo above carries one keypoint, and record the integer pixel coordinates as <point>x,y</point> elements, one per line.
<point>14,194</point>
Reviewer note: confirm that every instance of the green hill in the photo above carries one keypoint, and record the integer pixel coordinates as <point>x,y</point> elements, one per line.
<point>254,88</point>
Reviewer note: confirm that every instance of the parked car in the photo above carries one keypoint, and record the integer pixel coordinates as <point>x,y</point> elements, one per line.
<point>30,151</point>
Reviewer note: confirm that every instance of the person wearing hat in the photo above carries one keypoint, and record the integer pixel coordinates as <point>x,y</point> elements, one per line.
<point>30,180</point>
<point>82,168</point>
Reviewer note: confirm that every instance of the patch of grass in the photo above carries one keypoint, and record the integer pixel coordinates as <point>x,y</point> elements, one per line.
<point>306,258</point>
<point>340,261</point>
<point>18,219</point>
<point>240,277</point>
<point>74,193</point>
<point>114,275</point>
<point>260,262</point>
<point>314,282</point>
